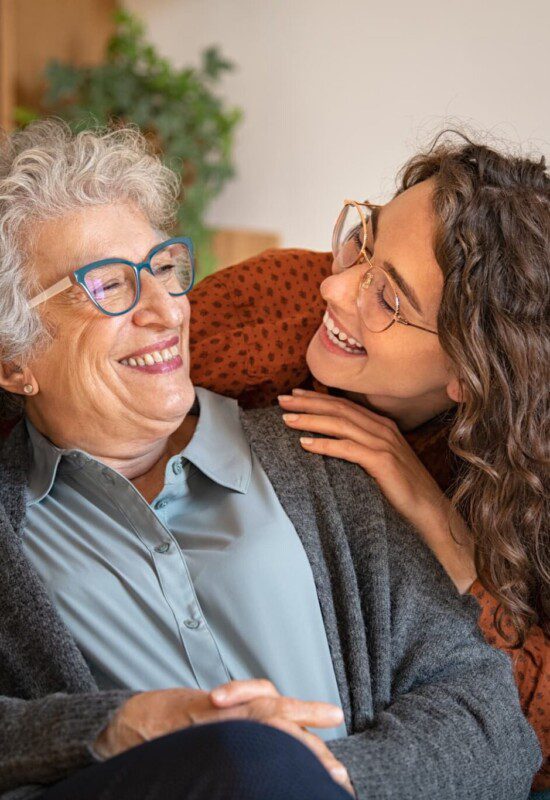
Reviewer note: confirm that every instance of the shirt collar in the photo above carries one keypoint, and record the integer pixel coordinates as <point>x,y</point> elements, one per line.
<point>219,447</point>
<point>45,458</point>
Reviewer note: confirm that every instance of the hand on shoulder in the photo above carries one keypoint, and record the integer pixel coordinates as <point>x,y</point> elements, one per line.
<point>356,434</point>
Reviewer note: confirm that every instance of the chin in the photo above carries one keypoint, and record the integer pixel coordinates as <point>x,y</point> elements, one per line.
<point>173,402</point>
<point>325,368</point>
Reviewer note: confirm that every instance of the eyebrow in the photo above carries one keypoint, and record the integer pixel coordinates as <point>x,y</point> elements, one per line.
<point>407,290</point>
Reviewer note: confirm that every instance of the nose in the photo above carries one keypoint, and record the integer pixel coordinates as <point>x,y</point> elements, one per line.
<point>157,307</point>
<point>341,288</point>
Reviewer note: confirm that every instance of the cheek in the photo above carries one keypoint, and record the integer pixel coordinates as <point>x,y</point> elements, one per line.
<point>79,350</point>
<point>405,363</point>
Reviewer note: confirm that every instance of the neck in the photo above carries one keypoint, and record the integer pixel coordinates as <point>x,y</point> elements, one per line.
<point>133,459</point>
<point>410,412</point>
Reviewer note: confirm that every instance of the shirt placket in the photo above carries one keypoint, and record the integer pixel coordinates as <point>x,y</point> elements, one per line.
<point>151,526</point>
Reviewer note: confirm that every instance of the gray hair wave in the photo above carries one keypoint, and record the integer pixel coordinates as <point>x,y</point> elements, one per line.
<point>48,171</point>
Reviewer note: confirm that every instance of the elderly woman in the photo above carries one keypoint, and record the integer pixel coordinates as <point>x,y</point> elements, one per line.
<point>167,563</point>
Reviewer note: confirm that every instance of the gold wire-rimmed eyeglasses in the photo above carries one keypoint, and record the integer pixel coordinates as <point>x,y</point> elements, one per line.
<point>377,298</point>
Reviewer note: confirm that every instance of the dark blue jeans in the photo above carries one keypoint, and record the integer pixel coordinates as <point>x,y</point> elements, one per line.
<point>226,761</point>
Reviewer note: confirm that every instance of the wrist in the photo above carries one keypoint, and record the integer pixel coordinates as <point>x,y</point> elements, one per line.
<point>449,538</point>
<point>102,748</point>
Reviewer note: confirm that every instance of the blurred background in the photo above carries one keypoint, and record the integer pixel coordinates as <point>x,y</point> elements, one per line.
<point>275,111</point>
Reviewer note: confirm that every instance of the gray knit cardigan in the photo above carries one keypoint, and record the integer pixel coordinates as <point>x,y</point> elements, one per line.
<point>432,711</point>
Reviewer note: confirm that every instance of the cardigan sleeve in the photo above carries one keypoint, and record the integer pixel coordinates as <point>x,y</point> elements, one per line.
<point>45,739</point>
<point>531,664</point>
<point>452,705</point>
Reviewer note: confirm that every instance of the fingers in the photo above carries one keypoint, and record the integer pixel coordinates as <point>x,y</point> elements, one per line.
<point>236,692</point>
<point>300,712</point>
<point>376,462</point>
<point>315,403</point>
<point>339,427</point>
<point>259,699</point>
<point>336,769</point>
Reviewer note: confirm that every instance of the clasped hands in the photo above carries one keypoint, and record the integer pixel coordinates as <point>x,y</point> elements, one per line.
<point>148,715</point>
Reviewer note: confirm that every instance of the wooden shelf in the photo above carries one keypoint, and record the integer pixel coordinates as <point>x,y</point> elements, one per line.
<point>32,32</point>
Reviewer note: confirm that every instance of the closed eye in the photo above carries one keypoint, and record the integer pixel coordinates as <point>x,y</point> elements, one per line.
<point>164,269</point>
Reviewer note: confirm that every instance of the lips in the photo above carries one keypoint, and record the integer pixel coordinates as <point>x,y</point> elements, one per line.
<point>339,339</point>
<point>166,344</point>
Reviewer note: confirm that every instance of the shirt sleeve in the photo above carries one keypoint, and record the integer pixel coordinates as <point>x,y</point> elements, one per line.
<point>531,664</point>
<point>251,324</point>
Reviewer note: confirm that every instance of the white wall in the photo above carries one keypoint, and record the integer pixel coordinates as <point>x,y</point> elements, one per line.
<point>337,93</point>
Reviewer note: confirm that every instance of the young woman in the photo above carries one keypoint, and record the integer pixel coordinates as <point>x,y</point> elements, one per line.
<point>436,323</point>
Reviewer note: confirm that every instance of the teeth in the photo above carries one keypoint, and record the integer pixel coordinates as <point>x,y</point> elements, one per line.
<point>154,357</point>
<point>347,343</point>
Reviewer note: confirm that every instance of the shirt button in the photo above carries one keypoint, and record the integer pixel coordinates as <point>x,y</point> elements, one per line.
<point>192,624</point>
<point>161,504</point>
<point>162,548</point>
<point>177,467</point>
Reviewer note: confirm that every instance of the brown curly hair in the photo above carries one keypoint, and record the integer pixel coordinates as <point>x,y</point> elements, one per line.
<point>492,242</point>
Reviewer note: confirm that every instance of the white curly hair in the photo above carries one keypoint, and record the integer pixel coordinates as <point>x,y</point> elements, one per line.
<point>47,171</point>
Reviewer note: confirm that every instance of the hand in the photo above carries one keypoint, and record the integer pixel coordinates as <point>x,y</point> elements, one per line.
<point>251,692</point>
<point>148,715</point>
<point>376,444</point>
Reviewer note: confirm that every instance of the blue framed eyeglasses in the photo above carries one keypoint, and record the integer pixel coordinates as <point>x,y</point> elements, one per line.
<point>114,284</point>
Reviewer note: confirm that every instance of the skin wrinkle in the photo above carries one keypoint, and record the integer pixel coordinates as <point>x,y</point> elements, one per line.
<point>86,398</point>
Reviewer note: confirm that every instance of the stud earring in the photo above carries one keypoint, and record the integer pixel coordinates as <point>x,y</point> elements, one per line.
<point>28,388</point>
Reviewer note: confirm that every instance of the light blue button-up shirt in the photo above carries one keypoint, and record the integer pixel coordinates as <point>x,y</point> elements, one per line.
<point>208,583</point>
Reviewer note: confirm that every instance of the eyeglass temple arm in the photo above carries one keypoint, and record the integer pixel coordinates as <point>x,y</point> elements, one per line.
<point>57,288</point>
<point>404,321</point>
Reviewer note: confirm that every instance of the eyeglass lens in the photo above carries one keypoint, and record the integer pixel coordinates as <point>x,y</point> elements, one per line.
<point>377,301</point>
<point>114,288</point>
<point>348,238</point>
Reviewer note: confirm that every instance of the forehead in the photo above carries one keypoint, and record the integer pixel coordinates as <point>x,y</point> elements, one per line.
<point>66,243</point>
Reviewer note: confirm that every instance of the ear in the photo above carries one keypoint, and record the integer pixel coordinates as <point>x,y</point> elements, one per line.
<point>454,390</point>
<point>14,378</point>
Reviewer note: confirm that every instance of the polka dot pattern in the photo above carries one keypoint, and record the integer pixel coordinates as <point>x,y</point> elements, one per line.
<point>251,324</point>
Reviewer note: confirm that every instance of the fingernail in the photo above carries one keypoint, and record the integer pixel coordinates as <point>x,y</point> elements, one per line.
<point>306,440</point>
<point>298,391</point>
<point>337,714</point>
<point>290,417</point>
<point>339,773</point>
<point>285,397</point>
<point>219,695</point>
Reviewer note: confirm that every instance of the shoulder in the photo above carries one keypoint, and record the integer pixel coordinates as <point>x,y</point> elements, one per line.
<point>251,324</point>
<point>340,484</point>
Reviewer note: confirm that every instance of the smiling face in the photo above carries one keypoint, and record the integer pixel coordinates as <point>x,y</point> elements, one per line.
<point>401,371</point>
<point>107,384</point>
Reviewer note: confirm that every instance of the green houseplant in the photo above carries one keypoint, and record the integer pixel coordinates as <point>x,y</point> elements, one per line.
<point>191,127</point>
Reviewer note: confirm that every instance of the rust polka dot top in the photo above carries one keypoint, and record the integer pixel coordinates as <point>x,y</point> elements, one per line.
<point>250,327</point>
